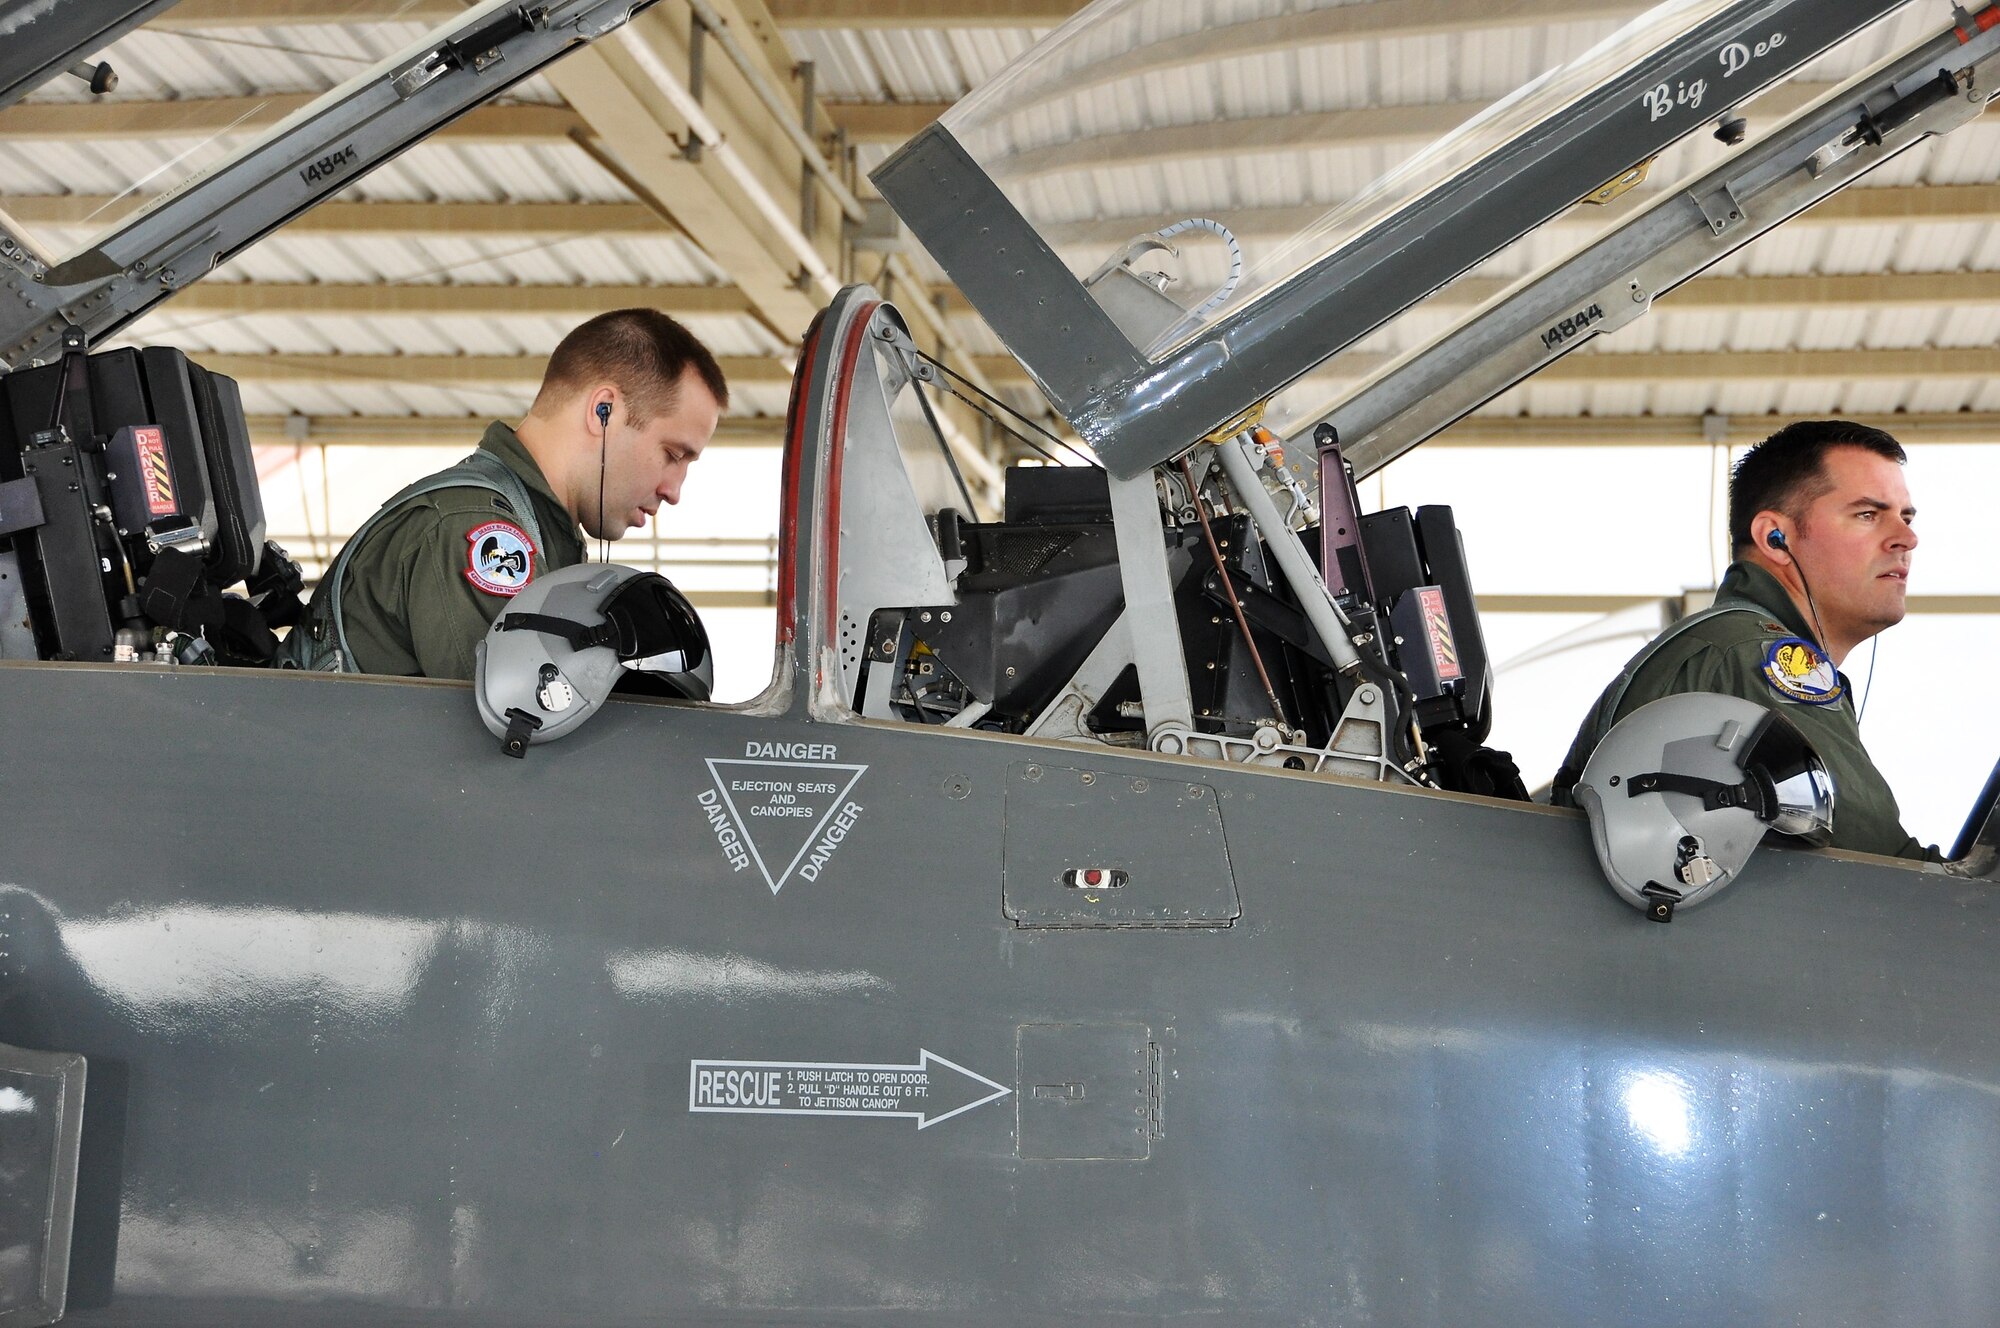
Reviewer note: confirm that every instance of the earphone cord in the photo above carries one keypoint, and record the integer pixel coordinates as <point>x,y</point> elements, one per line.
<point>605,445</point>
<point>1811,603</point>
<point>1874,644</point>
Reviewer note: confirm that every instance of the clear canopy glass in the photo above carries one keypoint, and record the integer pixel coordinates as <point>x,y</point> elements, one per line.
<point>1288,132</point>
<point>192,75</point>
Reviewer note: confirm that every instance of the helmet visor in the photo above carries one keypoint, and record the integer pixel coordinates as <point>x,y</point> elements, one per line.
<point>1801,786</point>
<point>658,630</point>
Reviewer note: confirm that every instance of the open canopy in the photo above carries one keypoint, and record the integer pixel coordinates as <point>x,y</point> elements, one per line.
<point>994,192</point>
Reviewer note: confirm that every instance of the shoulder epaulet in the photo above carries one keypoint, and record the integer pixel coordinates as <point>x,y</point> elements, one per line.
<point>466,500</point>
<point>1744,622</point>
<point>1731,609</point>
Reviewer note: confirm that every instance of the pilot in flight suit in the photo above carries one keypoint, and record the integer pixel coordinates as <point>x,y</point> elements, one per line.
<point>1763,652</point>
<point>629,401</point>
<point>1838,488</point>
<point>424,579</point>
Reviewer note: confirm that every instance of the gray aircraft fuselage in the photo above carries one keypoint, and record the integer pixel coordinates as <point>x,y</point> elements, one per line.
<point>384,1027</point>
<point>770,1015</point>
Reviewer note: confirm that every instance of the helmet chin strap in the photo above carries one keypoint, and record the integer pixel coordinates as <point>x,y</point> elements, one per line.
<point>577,634</point>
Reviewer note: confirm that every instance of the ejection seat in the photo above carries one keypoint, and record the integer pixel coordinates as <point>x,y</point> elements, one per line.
<point>128,505</point>
<point>1013,625</point>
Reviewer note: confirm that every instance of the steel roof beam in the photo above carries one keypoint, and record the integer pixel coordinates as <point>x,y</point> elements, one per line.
<point>1924,290</point>
<point>891,14</point>
<point>1372,20</point>
<point>1974,428</point>
<point>308,300</point>
<point>789,13</point>
<point>401,431</point>
<point>1373,126</point>
<point>1936,429</point>
<point>892,122</point>
<point>211,117</point>
<point>883,121</point>
<point>1954,364</point>
<point>1361,127</point>
<point>721,194</point>
<point>1843,291</point>
<point>439,370</point>
<point>1936,203</point>
<point>1921,365</point>
<point>1867,290</point>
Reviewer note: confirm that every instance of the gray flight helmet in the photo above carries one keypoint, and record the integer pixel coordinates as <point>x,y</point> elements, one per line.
<point>1681,791</point>
<point>571,637</point>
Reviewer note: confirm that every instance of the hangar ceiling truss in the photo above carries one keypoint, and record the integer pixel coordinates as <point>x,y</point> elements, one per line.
<point>686,151</point>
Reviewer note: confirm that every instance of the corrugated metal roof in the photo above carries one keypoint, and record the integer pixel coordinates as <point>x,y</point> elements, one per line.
<point>939,65</point>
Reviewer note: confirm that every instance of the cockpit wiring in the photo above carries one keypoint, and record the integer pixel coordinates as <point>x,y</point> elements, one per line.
<point>948,372</point>
<point>1235,604</point>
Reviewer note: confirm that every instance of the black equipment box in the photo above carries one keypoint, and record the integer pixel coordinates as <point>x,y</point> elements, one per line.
<point>115,467</point>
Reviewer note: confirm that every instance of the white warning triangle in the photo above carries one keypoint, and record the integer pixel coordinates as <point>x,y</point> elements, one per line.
<point>780,805</point>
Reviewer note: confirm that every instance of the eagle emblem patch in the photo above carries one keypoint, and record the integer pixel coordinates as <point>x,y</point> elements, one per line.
<point>1797,671</point>
<point>499,558</point>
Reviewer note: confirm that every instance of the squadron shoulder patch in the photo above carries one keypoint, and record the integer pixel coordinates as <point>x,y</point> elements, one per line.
<point>499,558</point>
<point>1797,671</point>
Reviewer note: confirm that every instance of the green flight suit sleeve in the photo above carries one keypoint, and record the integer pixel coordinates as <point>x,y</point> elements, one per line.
<point>1866,818</point>
<point>410,605</point>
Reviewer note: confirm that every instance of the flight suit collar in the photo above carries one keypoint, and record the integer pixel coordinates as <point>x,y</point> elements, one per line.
<point>503,442</point>
<point>1750,582</point>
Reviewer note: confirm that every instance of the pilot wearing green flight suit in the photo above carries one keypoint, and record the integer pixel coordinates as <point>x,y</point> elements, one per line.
<point>628,402</point>
<point>1820,523</point>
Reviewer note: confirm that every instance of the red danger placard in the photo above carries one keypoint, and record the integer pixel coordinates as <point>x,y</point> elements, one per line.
<point>1437,627</point>
<point>156,476</point>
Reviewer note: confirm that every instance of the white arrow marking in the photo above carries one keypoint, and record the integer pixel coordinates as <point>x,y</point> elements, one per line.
<point>829,1088</point>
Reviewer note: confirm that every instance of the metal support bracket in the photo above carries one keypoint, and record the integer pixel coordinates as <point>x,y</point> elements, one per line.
<point>1063,718</point>
<point>697,77</point>
<point>1358,749</point>
<point>1720,207</point>
<point>1314,599</point>
<point>1151,623</point>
